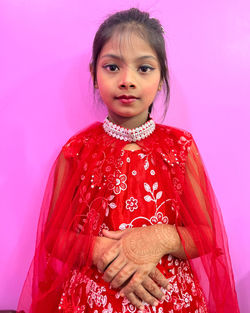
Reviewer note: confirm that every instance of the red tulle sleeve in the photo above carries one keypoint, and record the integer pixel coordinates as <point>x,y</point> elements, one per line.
<point>203,236</point>
<point>64,238</point>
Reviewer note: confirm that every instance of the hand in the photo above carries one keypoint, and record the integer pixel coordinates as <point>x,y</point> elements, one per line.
<point>131,263</point>
<point>149,290</point>
<point>101,245</point>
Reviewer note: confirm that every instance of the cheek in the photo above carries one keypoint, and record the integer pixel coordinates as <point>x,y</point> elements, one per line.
<point>103,82</point>
<point>102,85</point>
<point>152,88</point>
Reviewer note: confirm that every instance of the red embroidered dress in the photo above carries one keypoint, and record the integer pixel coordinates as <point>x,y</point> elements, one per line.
<point>96,184</point>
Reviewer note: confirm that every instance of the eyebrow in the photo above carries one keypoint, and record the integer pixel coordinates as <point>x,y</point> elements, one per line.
<point>114,56</point>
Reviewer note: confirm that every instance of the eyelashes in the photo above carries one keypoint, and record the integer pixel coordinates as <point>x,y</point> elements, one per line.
<point>144,68</point>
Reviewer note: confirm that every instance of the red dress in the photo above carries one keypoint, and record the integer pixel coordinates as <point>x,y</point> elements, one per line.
<point>100,185</point>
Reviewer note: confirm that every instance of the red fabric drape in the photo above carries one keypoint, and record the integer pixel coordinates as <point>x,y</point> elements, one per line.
<point>72,212</point>
<point>201,214</point>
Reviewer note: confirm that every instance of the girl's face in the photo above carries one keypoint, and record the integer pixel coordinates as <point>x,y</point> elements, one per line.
<point>135,73</point>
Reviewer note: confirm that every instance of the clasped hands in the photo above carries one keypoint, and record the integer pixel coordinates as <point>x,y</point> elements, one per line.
<point>128,260</point>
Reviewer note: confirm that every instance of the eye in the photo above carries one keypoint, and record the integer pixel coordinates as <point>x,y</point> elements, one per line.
<point>114,68</point>
<point>146,68</point>
<point>111,67</point>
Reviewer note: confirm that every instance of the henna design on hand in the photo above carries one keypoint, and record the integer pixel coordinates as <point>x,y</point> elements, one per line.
<point>168,237</point>
<point>140,247</point>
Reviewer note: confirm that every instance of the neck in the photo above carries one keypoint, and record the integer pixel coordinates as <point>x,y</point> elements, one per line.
<point>128,122</point>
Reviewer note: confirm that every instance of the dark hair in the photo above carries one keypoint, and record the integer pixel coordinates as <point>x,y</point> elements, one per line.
<point>147,28</point>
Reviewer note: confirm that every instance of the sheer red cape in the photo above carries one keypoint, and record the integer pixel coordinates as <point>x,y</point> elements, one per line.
<point>74,204</point>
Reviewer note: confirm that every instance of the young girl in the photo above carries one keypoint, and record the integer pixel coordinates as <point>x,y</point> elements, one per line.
<point>129,219</point>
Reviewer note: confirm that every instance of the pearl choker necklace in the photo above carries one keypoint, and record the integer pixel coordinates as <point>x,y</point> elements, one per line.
<point>127,134</point>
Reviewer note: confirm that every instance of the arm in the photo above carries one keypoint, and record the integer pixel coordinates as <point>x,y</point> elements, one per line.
<point>197,204</point>
<point>171,242</point>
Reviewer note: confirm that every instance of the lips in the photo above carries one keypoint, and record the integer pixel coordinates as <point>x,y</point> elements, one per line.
<point>126,97</point>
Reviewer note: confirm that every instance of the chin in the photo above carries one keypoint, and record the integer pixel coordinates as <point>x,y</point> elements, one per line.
<point>126,114</point>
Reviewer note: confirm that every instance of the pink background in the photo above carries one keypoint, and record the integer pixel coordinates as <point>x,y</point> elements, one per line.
<point>46,96</point>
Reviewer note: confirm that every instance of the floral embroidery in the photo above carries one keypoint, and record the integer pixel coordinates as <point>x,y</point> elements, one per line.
<point>109,309</point>
<point>90,293</point>
<point>116,182</point>
<point>80,220</point>
<point>103,226</point>
<point>97,294</point>
<point>127,306</point>
<point>94,292</point>
<point>185,143</point>
<point>119,163</point>
<point>108,168</point>
<point>152,197</point>
<point>146,162</point>
<point>158,217</point>
<point>73,147</point>
<point>96,179</point>
<point>171,157</point>
<point>110,205</point>
<point>177,185</point>
<point>142,155</point>
<point>131,204</point>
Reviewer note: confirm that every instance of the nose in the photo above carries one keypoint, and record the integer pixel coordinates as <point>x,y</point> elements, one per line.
<point>127,80</point>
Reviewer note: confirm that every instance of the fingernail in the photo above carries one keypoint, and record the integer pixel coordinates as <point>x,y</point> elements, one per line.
<point>155,303</point>
<point>168,287</point>
<point>141,308</point>
<point>163,298</point>
<point>122,294</point>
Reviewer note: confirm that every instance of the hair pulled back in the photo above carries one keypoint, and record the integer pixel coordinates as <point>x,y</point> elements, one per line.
<point>149,29</point>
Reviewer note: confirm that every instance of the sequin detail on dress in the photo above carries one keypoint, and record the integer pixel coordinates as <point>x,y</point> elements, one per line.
<point>150,204</point>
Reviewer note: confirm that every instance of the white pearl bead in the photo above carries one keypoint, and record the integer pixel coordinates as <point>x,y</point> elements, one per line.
<point>125,134</point>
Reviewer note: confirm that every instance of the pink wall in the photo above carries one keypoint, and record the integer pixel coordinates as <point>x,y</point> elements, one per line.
<point>45,97</point>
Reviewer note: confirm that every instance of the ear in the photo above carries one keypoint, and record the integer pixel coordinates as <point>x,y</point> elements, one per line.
<point>92,74</point>
<point>160,86</point>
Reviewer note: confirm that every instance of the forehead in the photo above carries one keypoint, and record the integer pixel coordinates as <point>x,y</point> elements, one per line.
<point>127,44</point>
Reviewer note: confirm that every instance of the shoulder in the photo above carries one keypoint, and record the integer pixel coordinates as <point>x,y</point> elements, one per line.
<point>74,145</point>
<point>173,144</point>
<point>174,136</point>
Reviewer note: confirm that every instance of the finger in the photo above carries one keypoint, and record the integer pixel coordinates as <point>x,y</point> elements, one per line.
<point>112,234</point>
<point>145,296</point>
<point>107,257</point>
<point>136,279</point>
<point>153,288</point>
<point>159,278</point>
<point>125,273</point>
<point>133,299</point>
<point>114,268</point>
